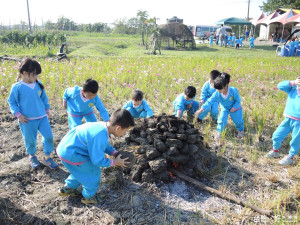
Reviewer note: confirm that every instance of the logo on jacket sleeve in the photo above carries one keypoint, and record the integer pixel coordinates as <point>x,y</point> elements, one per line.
<point>91,104</point>
<point>40,93</point>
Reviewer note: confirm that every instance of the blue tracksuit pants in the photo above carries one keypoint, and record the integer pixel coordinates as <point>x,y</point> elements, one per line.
<point>192,110</point>
<point>76,121</point>
<point>237,118</point>
<point>287,126</point>
<point>87,175</point>
<point>29,132</point>
<point>136,114</point>
<point>214,111</point>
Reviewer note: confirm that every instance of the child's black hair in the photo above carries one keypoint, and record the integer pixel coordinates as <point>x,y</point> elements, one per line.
<point>214,74</point>
<point>137,95</point>
<point>122,118</point>
<point>90,86</point>
<point>190,91</point>
<point>222,81</point>
<point>30,66</point>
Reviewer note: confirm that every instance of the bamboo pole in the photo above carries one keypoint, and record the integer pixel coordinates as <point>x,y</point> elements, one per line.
<point>229,197</point>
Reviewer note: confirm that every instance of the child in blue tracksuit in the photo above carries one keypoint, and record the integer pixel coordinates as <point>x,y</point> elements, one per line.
<point>227,40</point>
<point>233,40</point>
<point>79,103</point>
<point>251,44</point>
<point>185,101</point>
<point>207,91</point>
<point>241,41</point>
<point>237,43</point>
<point>82,151</point>
<point>291,123</point>
<point>138,107</point>
<point>29,103</point>
<point>230,101</point>
<point>211,39</point>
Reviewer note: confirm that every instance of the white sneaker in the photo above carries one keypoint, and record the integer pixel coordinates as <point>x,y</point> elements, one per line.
<point>272,155</point>
<point>240,134</point>
<point>286,161</point>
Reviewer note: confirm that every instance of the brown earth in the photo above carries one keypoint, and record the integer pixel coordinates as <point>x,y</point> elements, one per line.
<point>31,196</point>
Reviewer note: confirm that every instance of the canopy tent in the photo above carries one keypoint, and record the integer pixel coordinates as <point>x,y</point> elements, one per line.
<point>233,21</point>
<point>294,19</point>
<point>254,20</point>
<point>266,20</point>
<point>283,18</point>
<point>297,11</point>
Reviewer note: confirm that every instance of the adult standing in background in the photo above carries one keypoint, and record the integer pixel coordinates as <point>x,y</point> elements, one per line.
<point>246,34</point>
<point>222,35</point>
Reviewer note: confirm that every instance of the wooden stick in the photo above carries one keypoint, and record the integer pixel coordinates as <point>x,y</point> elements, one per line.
<point>229,197</point>
<point>9,58</point>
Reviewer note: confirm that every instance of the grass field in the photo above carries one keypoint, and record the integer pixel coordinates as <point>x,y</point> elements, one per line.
<point>120,65</point>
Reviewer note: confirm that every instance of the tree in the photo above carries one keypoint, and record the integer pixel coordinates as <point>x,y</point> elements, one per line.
<point>142,17</point>
<point>120,26</point>
<point>271,5</point>
<point>49,25</point>
<point>65,24</point>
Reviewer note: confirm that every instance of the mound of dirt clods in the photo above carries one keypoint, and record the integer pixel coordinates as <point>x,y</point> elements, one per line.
<point>157,143</point>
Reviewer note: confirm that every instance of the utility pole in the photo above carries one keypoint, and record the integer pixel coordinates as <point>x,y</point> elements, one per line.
<point>29,17</point>
<point>248,10</point>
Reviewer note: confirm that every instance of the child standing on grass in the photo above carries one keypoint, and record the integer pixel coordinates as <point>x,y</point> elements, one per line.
<point>29,103</point>
<point>185,101</point>
<point>251,44</point>
<point>291,123</point>
<point>82,151</point>
<point>211,39</point>
<point>79,103</point>
<point>207,91</point>
<point>137,106</point>
<point>230,101</point>
<point>237,43</point>
<point>241,41</point>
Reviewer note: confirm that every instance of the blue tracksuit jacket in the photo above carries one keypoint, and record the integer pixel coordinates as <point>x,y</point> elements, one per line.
<point>143,111</point>
<point>181,103</point>
<point>207,92</point>
<point>27,101</point>
<point>76,106</point>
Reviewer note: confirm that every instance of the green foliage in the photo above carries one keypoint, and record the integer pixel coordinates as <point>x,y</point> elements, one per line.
<point>271,5</point>
<point>27,39</point>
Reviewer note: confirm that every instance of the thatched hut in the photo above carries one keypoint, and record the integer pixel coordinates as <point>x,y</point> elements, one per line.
<point>178,33</point>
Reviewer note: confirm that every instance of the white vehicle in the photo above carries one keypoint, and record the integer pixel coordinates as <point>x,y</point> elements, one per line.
<point>204,31</point>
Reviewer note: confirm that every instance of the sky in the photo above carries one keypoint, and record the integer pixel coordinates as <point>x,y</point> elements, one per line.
<point>201,12</point>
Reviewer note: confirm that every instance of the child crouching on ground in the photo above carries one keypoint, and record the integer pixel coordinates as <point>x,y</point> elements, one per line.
<point>79,103</point>
<point>82,151</point>
<point>291,123</point>
<point>185,101</point>
<point>207,91</point>
<point>137,106</point>
<point>230,101</point>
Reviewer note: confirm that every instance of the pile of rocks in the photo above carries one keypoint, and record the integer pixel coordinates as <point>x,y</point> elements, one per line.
<point>161,142</point>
